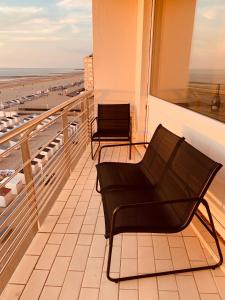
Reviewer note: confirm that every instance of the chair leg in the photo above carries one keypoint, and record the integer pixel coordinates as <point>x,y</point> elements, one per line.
<point>213,266</point>
<point>130,151</point>
<point>96,186</point>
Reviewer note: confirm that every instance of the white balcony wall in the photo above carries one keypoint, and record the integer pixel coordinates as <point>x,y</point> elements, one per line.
<point>205,134</point>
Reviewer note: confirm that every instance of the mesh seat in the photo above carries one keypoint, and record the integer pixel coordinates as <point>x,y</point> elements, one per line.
<point>113,124</point>
<point>148,171</point>
<point>167,206</point>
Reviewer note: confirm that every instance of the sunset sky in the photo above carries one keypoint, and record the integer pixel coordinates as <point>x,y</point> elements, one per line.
<point>208,44</point>
<point>44,33</point>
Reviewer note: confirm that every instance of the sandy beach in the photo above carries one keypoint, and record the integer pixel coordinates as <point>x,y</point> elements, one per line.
<point>27,86</point>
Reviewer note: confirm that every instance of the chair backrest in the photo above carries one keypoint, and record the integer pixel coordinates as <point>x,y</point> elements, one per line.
<point>188,175</point>
<point>160,150</point>
<point>113,117</point>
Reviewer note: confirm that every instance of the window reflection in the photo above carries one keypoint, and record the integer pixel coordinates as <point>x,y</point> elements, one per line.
<point>188,66</point>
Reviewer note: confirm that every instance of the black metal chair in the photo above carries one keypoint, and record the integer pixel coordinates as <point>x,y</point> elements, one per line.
<point>166,207</point>
<point>148,171</point>
<point>113,124</point>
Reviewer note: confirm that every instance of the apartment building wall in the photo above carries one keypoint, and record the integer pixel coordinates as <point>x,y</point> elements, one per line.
<point>114,50</point>
<point>88,73</point>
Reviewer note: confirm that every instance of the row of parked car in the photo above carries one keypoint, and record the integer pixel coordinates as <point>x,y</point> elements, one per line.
<point>38,94</point>
<point>16,184</point>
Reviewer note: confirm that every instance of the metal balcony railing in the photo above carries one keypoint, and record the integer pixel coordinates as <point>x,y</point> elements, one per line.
<point>41,154</point>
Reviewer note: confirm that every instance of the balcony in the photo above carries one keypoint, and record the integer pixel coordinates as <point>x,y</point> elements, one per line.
<point>67,256</point>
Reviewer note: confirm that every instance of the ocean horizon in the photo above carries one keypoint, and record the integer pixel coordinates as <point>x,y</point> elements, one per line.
<point>6,73</point>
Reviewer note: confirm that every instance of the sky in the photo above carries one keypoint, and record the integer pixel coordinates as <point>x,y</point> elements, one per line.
<point>44,33</point>
<point>208,43</point>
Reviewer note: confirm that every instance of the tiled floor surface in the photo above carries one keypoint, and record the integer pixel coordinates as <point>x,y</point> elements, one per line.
<point>67,258</point>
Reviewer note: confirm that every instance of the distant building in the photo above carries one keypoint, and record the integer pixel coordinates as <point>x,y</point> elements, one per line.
<point>88,73</point>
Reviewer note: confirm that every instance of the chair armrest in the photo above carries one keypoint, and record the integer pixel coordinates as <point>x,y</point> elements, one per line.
<point>119,145</point>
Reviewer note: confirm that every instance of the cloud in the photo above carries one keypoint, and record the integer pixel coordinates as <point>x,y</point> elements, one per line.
<point>20,9</point>
<point>67,4</point>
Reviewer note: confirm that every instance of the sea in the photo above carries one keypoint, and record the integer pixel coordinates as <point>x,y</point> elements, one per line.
<point>16,73</point>
<point>207,76</point>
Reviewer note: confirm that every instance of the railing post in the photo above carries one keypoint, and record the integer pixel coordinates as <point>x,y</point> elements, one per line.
<point>67,152</point>
<point>27,170</point>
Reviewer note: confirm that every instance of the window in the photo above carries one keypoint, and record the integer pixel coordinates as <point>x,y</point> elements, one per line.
<point>188,59</point>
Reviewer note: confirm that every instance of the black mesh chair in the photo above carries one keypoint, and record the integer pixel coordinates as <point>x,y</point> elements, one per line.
<point>148,171</point>
<point>113,124</point>
<point>166,207</point>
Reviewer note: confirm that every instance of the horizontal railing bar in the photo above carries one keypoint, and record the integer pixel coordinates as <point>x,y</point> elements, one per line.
<point>60,159</point>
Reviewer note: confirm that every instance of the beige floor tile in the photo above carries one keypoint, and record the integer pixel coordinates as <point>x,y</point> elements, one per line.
<point>98,246</point>
<point>84,239</point>
<point>68,245</point>
<point>90,184</point>
<point>79,258</point>
<point>34,286</point>
<point>58,271</point>
<point>100,226</point>
<point>188,231</point>
<point>108,290</point>
<point>71,286</point>
<point>144,241</point>
<point>69,184</point>
<point>60,228</point>
<point>146,263</point>
<point>210,297</point>
<point>169,295</point>
<point>194,248</point>
<point>161,247</point>
<point>38,244</point>
<point>147,289</point>
<point>115,262</point>
<point>57,208</point>
<point>129,246</point>
<point>87,229</point>
<point>203,277</point>
<point>64,195</point>
<point>74,175</point>
<point>168,282</point>
<point>81,209</point>
<point>82,179</point>
<point>220,282</point>
<point>50,293</point>
<point>75,224</point>
<point>89,293</point>
<point>85,171</point>
<point>85,196</point>
<point>66,216</point>
<point>95,202</point>
<point>12,292</point>
<point>77,190</point>
<point>48,224</point>
<point>24,270</point>
<point>56,238</point>
<point>176,241</point>
<point>179,258</point>
<point>47,257</point>
<point>187,288</point>
<point>72,202</point>
<point>92,274</point>
<point>91,216</point>
<point>128,294</point>
<point>128,268</point>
